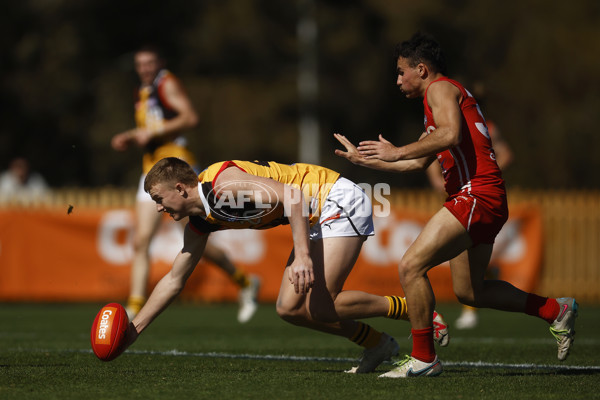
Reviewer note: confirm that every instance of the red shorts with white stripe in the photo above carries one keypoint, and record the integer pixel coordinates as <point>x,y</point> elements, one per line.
<point>482,214</point>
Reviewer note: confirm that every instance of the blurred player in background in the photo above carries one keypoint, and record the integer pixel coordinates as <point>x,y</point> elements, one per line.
<point>468,318</point>
<point>20,183</point>
<point>162,112</point>
<point>330,218</point>
<point>464,229</point>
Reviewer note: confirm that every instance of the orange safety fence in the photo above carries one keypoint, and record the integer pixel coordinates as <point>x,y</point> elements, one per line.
<point>47,254</point>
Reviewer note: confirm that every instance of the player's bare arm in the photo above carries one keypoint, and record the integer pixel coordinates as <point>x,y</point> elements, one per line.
<point>121,141</point>
<point>177,99</point>
<point>300,272</point>
<point>436,179</point>
<point>444,99</point>
<point>354,156</point>
<point>169,287</point>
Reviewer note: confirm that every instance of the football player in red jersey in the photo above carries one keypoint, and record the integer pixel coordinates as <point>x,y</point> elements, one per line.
<point>469,318</point>
<point>464,229</point>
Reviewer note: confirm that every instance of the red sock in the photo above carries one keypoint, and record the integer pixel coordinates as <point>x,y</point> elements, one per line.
<point>423,344</point>
<point>543,307</point>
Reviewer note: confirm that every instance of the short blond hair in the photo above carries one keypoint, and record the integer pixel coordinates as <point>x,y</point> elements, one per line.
<point>170,170</point>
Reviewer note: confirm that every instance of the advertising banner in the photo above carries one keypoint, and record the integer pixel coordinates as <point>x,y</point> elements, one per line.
<point>86,255</point>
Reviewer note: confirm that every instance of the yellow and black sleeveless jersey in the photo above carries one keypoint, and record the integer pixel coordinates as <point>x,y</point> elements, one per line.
<point>230,213</point>
<point>151,111</point>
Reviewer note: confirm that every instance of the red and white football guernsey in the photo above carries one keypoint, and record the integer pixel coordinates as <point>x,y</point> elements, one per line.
<point>473,181</point>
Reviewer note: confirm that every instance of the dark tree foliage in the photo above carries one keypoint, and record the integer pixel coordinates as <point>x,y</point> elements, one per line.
<point>67,80</point>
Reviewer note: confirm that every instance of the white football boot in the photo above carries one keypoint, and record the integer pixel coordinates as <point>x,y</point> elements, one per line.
<point>372,358</point>
<point>440,330</point>
<point>468,319</point>
<point>563,327</point>
<point>247,298</point>
<point>410,367</point>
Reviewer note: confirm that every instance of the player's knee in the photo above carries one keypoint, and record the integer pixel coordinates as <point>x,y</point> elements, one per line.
<point>141,242</point>
<point>407,272</point>
<point>466,300</point>
<point>465,295</point>
<point>293,315</point>
<point>470,294</point>
<point>322,315</point>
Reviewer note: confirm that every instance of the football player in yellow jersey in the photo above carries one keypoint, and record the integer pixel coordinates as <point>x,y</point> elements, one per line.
<point>162,111</point>
<point>330,218</point>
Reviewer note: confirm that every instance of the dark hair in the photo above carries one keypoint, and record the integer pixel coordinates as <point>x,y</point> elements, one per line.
<point>150,48</point>
<point>422,48</point>
<point>170,170</point>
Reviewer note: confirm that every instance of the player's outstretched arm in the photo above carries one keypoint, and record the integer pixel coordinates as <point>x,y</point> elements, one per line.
<point>171,284</point>
<point>381,149</point>
<point>300,271</point>
<point>354,156</point>
<point>122,141</point>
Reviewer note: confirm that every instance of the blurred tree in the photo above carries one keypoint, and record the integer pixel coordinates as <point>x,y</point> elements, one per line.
<point>67,80</point>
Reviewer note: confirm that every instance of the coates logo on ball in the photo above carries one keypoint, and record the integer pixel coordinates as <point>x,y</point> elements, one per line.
<point>108,331</point>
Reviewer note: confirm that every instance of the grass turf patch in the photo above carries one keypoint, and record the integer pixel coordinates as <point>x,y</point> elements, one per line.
<point>200,351</point>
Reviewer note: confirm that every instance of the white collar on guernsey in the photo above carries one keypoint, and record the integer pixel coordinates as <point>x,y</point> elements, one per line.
<point>204,200</point>
<point>466,187</point>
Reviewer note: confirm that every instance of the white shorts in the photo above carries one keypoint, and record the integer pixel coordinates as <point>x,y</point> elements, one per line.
<point>347,211</point>
<point>141,195</point>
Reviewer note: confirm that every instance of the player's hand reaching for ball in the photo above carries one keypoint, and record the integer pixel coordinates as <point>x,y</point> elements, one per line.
<point>130,336</point>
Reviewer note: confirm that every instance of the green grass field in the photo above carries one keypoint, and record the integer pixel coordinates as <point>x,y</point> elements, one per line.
<point>200,351</point>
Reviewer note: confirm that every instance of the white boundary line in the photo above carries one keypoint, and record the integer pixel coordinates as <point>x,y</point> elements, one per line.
<point>283,357</point>
<point>587,341</point>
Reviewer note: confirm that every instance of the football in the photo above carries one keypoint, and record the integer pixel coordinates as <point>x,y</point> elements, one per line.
<point>108,331</point>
